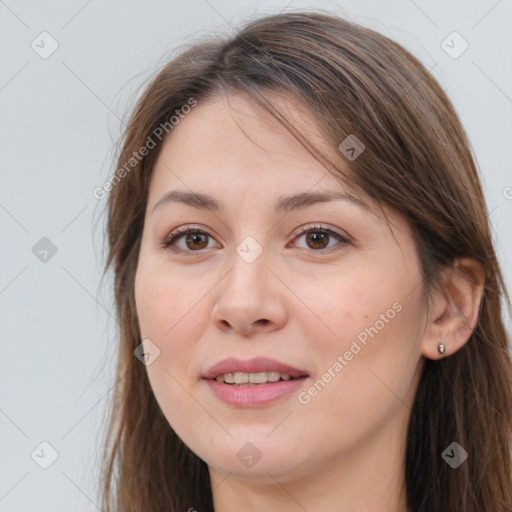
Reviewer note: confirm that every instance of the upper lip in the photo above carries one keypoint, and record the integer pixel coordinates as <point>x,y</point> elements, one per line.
<point>255,365</point>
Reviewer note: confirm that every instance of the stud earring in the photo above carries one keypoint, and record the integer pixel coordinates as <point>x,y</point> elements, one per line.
<point>441,348</point>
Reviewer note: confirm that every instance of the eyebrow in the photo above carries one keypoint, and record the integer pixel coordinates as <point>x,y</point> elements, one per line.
<point>284,203</point>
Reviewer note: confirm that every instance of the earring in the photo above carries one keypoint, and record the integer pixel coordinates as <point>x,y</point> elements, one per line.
<point>441,348</point>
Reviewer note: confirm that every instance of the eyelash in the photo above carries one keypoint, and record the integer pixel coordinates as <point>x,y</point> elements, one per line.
<point>170,241</point>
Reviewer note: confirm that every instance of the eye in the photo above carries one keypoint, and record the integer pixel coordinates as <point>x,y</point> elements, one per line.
<point>194,239</point>
<point>318,238</point>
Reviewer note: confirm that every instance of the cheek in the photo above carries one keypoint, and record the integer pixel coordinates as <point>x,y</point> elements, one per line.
<point>343,303</point>
<point>172,313</point>
<point>166,303</point>
<point>367,358</point>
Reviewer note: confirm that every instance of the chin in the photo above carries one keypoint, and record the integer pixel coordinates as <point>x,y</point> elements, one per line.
<point>260,460</point>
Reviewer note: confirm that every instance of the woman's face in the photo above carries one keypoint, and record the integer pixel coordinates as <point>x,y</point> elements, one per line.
<point>271,284</point>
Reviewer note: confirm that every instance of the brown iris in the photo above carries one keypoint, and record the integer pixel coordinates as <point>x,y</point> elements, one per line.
<point>317,237</point>
<point>195,238</point>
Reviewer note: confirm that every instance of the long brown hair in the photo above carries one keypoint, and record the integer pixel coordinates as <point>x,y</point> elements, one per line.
<point>417,160</point>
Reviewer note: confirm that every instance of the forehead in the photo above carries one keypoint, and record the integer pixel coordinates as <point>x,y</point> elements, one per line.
<point>229,142</point>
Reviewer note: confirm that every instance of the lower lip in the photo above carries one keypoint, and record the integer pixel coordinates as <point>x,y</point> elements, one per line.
<point>254,396</point>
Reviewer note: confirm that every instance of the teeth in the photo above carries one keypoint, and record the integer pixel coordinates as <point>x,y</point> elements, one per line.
<point>241,378</point>
<point>273,376</point>
<point>258,378</point>
<point>252,378</point>
<point>228,378</point>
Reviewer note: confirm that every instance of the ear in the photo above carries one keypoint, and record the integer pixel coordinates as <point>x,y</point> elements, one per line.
<point>455,310</point>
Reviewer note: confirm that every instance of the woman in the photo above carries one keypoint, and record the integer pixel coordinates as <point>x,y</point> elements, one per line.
<point>308,294</point>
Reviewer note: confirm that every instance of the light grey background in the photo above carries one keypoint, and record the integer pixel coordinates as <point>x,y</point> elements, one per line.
<point>60,118</point>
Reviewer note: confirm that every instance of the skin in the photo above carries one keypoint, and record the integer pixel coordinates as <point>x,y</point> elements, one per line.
<point>344,449</point>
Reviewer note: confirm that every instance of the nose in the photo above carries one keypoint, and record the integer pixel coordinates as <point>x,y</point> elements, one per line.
<point>250,299</point>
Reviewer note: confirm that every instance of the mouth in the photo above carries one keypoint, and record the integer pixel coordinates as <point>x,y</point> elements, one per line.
<point>257,382</point>
<point>258,370</point>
